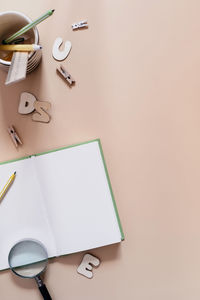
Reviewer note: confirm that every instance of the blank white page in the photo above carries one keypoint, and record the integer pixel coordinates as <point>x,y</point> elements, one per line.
<point>78,198</point>
<point>22,213</point>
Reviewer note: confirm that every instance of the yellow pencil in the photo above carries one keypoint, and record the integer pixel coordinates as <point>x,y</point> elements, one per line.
<point>20,47</point>
<point>7,185</point>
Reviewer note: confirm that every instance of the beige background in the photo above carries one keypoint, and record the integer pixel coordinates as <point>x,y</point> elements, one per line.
<point>137,71</point>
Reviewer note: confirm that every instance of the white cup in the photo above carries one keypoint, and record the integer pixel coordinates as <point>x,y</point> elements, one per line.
<point>11,22</point>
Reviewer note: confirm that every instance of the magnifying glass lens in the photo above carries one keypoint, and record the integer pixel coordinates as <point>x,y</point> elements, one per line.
<point>28,258</point>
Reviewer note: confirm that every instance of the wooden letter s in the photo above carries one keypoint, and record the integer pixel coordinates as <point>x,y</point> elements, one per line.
<point>41,115</point>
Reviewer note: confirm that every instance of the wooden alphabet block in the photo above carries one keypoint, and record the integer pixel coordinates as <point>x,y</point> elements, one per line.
<point>85,268</point>
<point>41,115</point>
<point>57,53</point>
<point>26,103</point>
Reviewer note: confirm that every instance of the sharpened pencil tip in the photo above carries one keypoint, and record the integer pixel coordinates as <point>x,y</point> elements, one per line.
<point>15,173</point>
<point>53,10</point>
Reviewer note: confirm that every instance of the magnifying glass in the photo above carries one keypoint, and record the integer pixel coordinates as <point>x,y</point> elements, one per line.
<point>28,259</point>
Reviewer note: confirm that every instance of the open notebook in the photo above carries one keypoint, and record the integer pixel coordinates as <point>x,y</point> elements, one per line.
<point>62,198</point>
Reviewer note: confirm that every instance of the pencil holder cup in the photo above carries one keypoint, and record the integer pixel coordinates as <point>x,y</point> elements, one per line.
<point>11,22</point>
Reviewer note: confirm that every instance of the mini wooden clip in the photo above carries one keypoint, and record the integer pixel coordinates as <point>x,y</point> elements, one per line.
<point>65,75</point>
<point>13,134</point>
<point>80,24</point>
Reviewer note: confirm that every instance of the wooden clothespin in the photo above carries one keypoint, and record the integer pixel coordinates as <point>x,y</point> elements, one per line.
<point>65,75</point>
<point>13,134</point>
<point>80,24</point>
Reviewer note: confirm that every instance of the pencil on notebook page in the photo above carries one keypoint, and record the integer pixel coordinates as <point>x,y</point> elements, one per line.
<point>7,185</point>
<point>23,47</point>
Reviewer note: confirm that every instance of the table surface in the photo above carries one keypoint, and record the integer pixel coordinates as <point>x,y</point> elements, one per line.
<point>137,72</point>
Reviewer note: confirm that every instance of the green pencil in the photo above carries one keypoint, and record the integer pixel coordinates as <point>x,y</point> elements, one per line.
<point>28,26</point>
